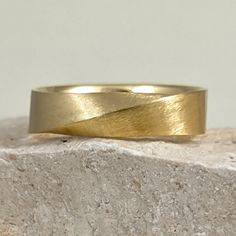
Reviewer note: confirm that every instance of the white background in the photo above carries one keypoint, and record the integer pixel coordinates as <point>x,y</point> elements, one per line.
<point>51,42</point>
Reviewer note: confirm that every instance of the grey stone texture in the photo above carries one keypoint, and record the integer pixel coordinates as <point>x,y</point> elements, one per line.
<point>61,185</point>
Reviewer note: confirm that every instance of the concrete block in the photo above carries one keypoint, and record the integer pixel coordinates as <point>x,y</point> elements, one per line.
<point>60,185</point>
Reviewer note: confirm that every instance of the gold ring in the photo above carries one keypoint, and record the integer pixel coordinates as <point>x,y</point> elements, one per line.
<point>119,111</point>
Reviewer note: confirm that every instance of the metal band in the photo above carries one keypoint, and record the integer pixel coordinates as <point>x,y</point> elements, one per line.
<point>119,111</point>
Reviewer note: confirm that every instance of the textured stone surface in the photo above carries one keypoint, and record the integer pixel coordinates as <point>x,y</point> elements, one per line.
<point>58,185</point>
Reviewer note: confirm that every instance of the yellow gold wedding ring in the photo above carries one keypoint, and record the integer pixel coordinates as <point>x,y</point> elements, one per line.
<point>119,111</point>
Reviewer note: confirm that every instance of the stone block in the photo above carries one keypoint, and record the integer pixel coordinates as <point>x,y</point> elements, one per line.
<point>77,186</point>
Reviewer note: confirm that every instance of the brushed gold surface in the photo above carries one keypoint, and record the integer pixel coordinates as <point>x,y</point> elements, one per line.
<point>119,111</point>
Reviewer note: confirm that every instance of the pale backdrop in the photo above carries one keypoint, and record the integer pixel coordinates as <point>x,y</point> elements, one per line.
<point>51,42</point>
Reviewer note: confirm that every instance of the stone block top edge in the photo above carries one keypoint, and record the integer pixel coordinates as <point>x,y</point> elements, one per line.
<point>216,149</point>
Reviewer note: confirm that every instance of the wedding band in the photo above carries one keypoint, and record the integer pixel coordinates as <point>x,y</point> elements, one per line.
<point>119,111</point>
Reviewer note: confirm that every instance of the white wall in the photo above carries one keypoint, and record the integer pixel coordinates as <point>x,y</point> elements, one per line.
<point>51,42</point>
